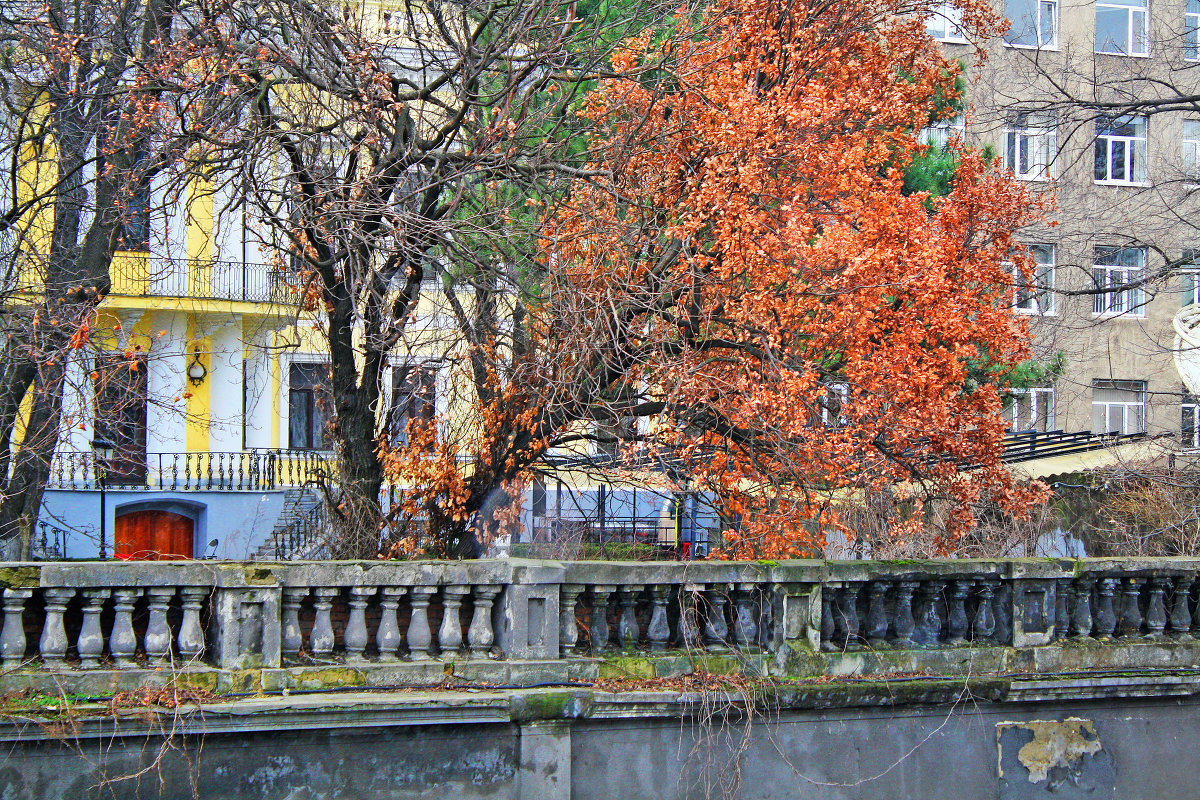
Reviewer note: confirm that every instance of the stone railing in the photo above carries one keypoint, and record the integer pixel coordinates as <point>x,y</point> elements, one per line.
<point>90,626</point>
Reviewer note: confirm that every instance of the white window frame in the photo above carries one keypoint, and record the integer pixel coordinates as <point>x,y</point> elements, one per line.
<point>1137,28</point>
<point>1037,300</point>
<point>1030,146</point>
<point>1042,10</point>
<point>835,392</point>
<point>1039,405</point>
<point>1119,410</point>
<point>1189,146</point>
<point>1125,300</point>
<point>1129,151</point>
<point>1189,411</point>
<point>950,30</point>
<point>1189,277</point>
<point>938,134</point>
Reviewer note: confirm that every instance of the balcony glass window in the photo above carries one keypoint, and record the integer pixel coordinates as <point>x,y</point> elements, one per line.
<point>945,24</point>
<point>1189,428</point>
<point>309,404</point>
<point>1030,144</point>
<point>414,398</point>
<point>938,134</point>
<point>1118,406</point>
<point>1190,150</point>
<point>1121,27</point>
<point>1030,409</point>
<point>1121,151</point>
<point>1191,31</point>
<point>1036,297</point>
<point>1033,23</point>
<point>1117,273</point>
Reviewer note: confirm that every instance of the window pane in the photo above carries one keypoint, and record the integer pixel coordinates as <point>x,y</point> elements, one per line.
<point>1049,23</point>
<point>1137,158</point>
<point>298,420</point>
<point>1112,30</point>
<point>1139,32</point>
<point>1117,165</point>
<point>1023,15</point>
<point>1100,170</point>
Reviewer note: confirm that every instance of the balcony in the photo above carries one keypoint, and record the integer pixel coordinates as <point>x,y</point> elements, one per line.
<point>248,470</point>
<point>146,275</point>
<point>1187,346</point>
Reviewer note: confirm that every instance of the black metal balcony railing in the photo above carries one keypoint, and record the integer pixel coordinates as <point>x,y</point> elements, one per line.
<point>249,470</point>
<point>143,275</point>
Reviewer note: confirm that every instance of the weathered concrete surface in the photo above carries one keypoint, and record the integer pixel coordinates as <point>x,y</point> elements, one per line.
<point>1115,736</point>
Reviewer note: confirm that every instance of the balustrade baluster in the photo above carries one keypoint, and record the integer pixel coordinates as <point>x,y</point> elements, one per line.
<point>122,642</point>
<point>480,634</point>
<point>929,618</point>
<point>419,635</point>
<point>1002,609</point>
<point>90,644</point>
<point>1156,611</point>
<point>904,624</point>
<point>983,626</point>
<point>1105,622</point>
<point>766,616</point>
<point>877,620</point>
<point>956,616</point>
<point>321,640</point>
<point>1062,602</point>
<point>1081,615</point>
<point>387,635</point>
<point>689,617</point>
<point>208,469</point>
<point>241,471</point>
<point>290,637</point>
<point>599,631</point>
<point>1130,623</point>
<point>355,636</point>
<point>158,634</point>
<point>53,645</point>
<point>12,639</point>
<point>187,469</point>
<point>745,628</point>
<point>716,630</point>
<point>845,618</point>
<point>658,631</point>
<point>191,636</point>
<point>568,629</point>
<point>828,628</point>
<point>450,638</point>
<point>1181,615</point>
<point>628,631</point>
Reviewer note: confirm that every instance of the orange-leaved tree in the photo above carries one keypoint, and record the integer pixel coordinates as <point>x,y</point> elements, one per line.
<point>748,273</point>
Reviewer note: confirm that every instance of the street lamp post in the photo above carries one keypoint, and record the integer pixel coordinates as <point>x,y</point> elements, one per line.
<point>103,450</point>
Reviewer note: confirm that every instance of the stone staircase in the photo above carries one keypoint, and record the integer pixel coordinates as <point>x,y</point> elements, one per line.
<point>296,534</point>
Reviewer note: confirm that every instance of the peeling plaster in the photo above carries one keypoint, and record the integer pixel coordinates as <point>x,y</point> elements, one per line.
<point>1055,743</point>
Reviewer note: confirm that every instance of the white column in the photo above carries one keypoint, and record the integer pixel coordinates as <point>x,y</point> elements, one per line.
<point>225,389</point>
<point>259,396</point>
<point>166,425</point>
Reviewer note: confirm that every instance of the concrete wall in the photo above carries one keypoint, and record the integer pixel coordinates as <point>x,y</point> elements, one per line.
<point>240,521</point>
<point>373,747</point>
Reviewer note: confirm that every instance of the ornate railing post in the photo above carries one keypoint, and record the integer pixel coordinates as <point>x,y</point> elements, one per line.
<point>450,640</point>
<point>481,635</point>
<point>53,644</point>
<point>568,628</point>
<point>387,635</point>
<point>12,639</point>
<point>90,644</point>
<point>420,637</point>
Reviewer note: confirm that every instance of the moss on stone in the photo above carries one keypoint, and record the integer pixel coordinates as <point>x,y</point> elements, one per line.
<point>259,576</point>
<point>329,677</point>
<point>20,577</point>
<point>617,667</point>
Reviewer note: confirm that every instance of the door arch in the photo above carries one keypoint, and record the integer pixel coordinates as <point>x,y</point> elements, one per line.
<point>153,535</point>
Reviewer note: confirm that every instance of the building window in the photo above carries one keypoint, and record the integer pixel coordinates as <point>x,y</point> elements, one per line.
<point>1034,23</point>
<point>1030,409</point>
<point>122,396</point>
<point>938,134</point>
<point>1118,406</point>
<point>1189,428</point>
<point>1191,149</point>
<point>1120,149</point>
<point>1030,144</point>
<point>1118,273</point>
<point>1121,27</point>
<point>945,24</point>
<point>414,398</point>
<point>309,403</point>
<point>1191,31</point>
<point>1036,297</point>
<point>833,405</point>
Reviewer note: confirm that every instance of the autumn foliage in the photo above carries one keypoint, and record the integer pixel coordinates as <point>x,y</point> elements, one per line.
<point>800,330</point>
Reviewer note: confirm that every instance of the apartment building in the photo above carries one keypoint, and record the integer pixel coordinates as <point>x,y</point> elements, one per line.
<point>1056,98</point>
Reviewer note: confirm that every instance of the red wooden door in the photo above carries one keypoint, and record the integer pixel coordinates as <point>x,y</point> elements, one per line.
<point>153,536</point>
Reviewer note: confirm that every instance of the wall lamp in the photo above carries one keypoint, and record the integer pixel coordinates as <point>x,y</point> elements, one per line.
<point>196,371</point>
